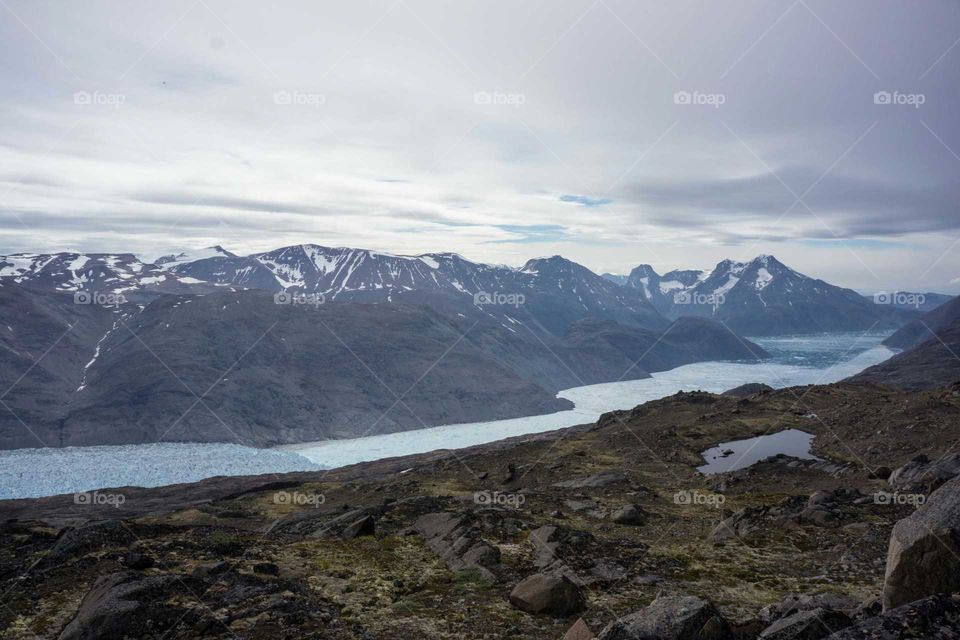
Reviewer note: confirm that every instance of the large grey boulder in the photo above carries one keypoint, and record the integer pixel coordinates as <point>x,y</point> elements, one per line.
<point>813,624</point>
<point>547,593</point>
<point>924,553</point>
<point>670,618</point>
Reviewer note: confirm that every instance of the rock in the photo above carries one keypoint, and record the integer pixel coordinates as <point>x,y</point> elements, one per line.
<point>124,604</point>
<point>136,559</point>
<point>555,546</point>
<point>818,516</point>
<point>741,523</point>
<point>456,539</point>
<point>933,618</point>
<point>813,624</point>
<point>545,593</point>
<point>597,480</point>
<point>922,558</point>
<point>821,497</point>
<point>266,568</point>
<point>89,537</point>
<point>923,475</point>
<point>629,515</point>
<point>364,526</point>
<point>670,618</point>
<point>579,631</point>
<point>796,603</point>
<point>881,473</point>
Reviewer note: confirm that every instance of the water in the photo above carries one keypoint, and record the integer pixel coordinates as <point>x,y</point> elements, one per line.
<point>795,361</point>
<point>740,454</point>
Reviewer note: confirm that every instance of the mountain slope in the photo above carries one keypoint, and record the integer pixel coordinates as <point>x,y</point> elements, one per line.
<point>927,326</point>
<point>269,374</point>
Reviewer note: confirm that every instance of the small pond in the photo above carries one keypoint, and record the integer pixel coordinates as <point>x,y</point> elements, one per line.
<point>740,454</point>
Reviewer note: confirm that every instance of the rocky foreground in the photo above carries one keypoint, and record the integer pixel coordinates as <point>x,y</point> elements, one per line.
<point>603,530</point>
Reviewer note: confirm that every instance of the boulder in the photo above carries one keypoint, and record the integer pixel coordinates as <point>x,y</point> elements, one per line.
<point>924,554</point>
<point>579,631</point>
<point>629,515</point>
<point>933,618</point>
<point>812,624</point>
<point>923,475</point>
<point>795,603</point>
<point>596,481</point>
<point>670,618</point>
<point>548,593</point>
<point>125,604</point>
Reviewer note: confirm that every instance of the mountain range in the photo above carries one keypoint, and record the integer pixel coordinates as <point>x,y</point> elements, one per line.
<point>307,343</point>
<point>765,297</point>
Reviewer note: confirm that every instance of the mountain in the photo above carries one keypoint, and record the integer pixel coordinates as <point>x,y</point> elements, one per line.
<point>931,356</point>
<point>765,297</point>
<point>552,292</point>
<point>107,279</point>
<point>315,343</point>
<point>911,301</point>
<point>927,326</point>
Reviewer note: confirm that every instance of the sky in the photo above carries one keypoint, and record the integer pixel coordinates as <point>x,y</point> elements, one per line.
<point>612,132</point>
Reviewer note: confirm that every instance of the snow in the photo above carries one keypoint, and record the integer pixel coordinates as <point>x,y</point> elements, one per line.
<point>731,282</point>
<point>763,279</point>
<point>192,255</point>
<point>430,262</point>
<point>670,285</point>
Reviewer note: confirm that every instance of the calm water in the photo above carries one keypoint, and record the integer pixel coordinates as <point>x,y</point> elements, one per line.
<point>795,361</point>
<point>740,454</point>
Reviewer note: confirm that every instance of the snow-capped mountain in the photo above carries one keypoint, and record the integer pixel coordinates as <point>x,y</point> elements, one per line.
<point>764,297</point>
<point>98,274</point>
<point>555,291</point>
<point>183,257</point>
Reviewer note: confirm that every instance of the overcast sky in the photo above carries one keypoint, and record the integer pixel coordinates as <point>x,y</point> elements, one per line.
<point>612,132</point>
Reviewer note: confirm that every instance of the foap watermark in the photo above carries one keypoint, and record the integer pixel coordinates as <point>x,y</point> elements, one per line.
<point>692,297</point>
<point>698,498</point>
<point>99,298</point>
<point>897,98</point>
<point>99,99</point>
<point>699,98</point>
<point>499,499</point>
<point>900,298</point>
<point>499,99</point>
<point>299,99</point>
<point>304,299</point>
<point>499,298</point>
<point>299,499</point>
<point>96,498</point>
<point>898,499</point>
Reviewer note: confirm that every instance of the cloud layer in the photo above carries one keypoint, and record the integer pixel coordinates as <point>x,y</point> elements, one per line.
<point>613,132</point>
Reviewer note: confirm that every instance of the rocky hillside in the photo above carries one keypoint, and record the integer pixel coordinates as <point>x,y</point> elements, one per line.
<point>602,530</point>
